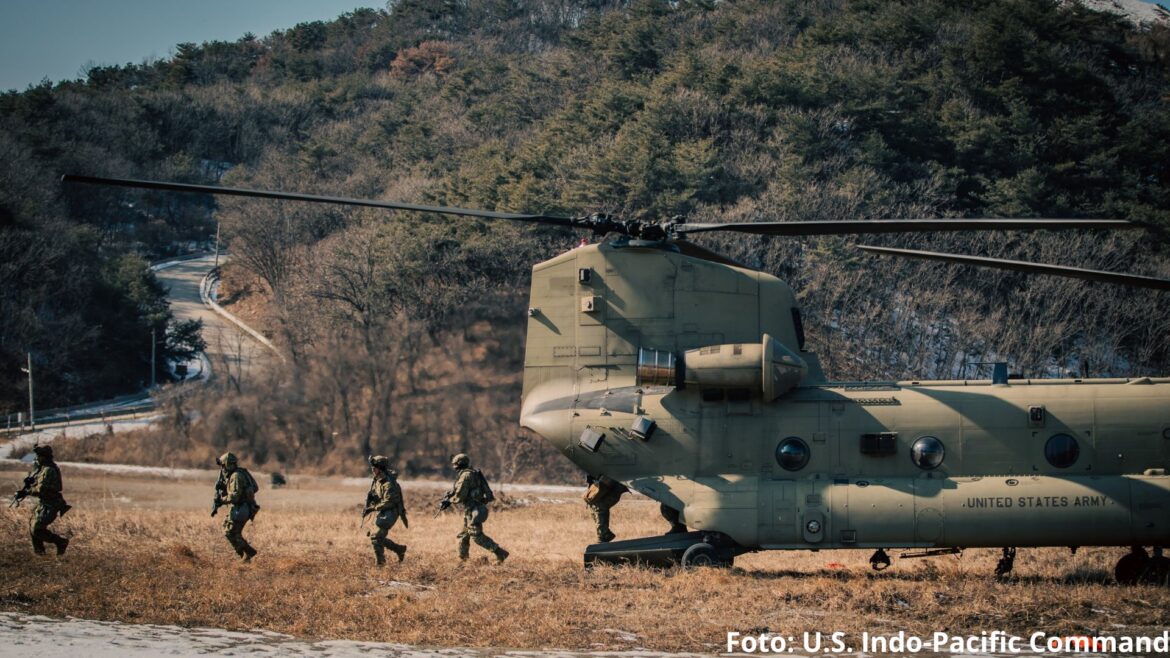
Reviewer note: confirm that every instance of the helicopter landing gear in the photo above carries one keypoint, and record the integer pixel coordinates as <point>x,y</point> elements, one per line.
<point>706,555</point>
<point>1137,566</point>
<point>1131,566</point>
<point>1158,568</point>
<point>689,549</point>
<point>1006,563</point>
<point>880,560</point>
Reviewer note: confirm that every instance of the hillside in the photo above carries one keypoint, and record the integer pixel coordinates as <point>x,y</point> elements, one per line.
<point>747,111</point>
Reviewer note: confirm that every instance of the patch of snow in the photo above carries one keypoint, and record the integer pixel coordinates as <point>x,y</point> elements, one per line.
<point>34,636</point>
<point>77,430</point>
<point>128,469</point>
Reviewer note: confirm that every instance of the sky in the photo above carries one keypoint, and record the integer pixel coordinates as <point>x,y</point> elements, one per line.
<point>57,39</point>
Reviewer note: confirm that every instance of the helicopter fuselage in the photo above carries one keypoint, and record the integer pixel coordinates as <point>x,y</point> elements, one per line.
<point>686,379</point>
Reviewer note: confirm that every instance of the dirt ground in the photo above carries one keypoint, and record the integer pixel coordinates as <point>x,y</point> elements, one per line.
<point>145,550</point>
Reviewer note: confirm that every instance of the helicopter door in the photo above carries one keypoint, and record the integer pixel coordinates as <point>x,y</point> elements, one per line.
<point>783,523</point>
<point>929,520</point>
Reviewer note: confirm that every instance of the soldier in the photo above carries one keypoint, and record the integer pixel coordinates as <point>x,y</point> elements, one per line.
<point>602,494</point>
<point>236,487</point>
<point>44,482</point>
<point>385,498</point>
<point>472,494</point>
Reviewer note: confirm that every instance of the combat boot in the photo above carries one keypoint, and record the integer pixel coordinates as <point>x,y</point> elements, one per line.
<point>62,544</point>
<point>606,537</point>
<point>400,551</point>
<point>249,553</point>
<point>501,555</point>
<point>380,555</point>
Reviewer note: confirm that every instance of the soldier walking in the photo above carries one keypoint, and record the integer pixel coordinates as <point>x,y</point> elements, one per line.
<point>44,483</point>
<point>601,495</point>
<point>385,498</point>
<point>236,487</point>
<point>471,494</point>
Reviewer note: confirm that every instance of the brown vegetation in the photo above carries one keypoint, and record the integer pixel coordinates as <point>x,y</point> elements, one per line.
<point>144,550</point>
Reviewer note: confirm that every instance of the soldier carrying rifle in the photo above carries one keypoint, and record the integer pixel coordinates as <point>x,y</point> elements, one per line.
<point>44,483</point>
<point>471,494</point>
<point>385,498</point>
<point>236,487</point>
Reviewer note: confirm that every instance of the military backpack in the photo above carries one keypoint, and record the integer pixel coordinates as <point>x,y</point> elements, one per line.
<point>481,493</point>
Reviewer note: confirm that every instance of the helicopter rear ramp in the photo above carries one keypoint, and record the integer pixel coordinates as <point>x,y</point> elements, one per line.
<point>665,550</point>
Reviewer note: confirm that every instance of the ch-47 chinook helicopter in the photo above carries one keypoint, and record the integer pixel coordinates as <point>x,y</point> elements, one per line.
<point>669,368</point>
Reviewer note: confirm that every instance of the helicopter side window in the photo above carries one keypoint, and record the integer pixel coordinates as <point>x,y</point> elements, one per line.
<point>792,454</point>
<point>928,453</point>
<point>1062,450</point>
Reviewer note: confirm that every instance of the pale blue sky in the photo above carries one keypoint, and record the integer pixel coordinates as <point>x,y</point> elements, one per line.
<point>55,39</point>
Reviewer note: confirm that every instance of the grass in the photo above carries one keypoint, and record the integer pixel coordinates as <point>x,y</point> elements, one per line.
<point>145,550</point>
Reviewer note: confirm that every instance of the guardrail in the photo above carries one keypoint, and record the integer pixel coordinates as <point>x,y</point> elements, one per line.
<point>205,288</point>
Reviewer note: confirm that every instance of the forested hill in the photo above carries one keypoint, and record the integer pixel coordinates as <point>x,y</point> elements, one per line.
<point>719,111</point>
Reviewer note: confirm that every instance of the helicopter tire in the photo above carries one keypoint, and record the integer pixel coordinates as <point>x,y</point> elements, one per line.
<point>1132,566</point>
<point>1157,571</point>
<point>703,554</point>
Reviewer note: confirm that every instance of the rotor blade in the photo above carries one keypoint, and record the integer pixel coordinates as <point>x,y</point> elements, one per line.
<point>1024,266</point>
<point>689,248</point>
<point>904,226</point>
<point>292,196</point>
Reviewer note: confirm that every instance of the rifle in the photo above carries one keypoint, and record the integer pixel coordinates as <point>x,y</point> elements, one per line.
<point>220,494</point>
<point>371,499</point>
<point>23,493</point>
<point>444,505</point>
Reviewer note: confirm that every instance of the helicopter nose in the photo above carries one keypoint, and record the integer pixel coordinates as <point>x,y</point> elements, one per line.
<point>548,411</point>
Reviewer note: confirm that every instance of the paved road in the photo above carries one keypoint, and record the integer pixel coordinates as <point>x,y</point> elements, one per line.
<point>232,352</point>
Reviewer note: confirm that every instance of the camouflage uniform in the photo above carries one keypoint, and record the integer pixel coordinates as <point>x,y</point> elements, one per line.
<point>46,486</point>
<point>603,493</point>
<point>468,495</point>
<point>385,498</point>
<point>237,487</point>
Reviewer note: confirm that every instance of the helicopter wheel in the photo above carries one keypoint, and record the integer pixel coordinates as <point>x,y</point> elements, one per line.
<point>880,560</point>
<point>704,555</point>
<point>1131,566</point>
<point>1157,571</point>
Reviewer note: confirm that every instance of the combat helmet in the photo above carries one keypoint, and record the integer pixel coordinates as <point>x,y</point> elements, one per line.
<point>227,459</point>
<point>380,461</point>
<point>461,461</point>
<point>43,452</point>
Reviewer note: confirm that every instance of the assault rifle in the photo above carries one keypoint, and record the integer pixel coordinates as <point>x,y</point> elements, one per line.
<point>371,499</point>
<point>220,498</point>
<point>23,493</point>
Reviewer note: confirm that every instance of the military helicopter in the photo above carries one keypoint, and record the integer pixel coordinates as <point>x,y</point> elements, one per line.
<point>683,375</point>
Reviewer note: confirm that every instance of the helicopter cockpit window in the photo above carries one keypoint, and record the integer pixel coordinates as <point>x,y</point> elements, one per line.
<point>792,454</point>
<point>1062,450</point>
<point>927,453</point>
<point>798,325</point>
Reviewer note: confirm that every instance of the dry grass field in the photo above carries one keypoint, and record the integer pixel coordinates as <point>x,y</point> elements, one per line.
<point>145,550</point>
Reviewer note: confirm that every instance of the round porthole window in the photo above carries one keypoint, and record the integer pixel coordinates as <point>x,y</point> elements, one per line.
<point>1062,450</point>
<point>927,452</point>
<point>792,454</point>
